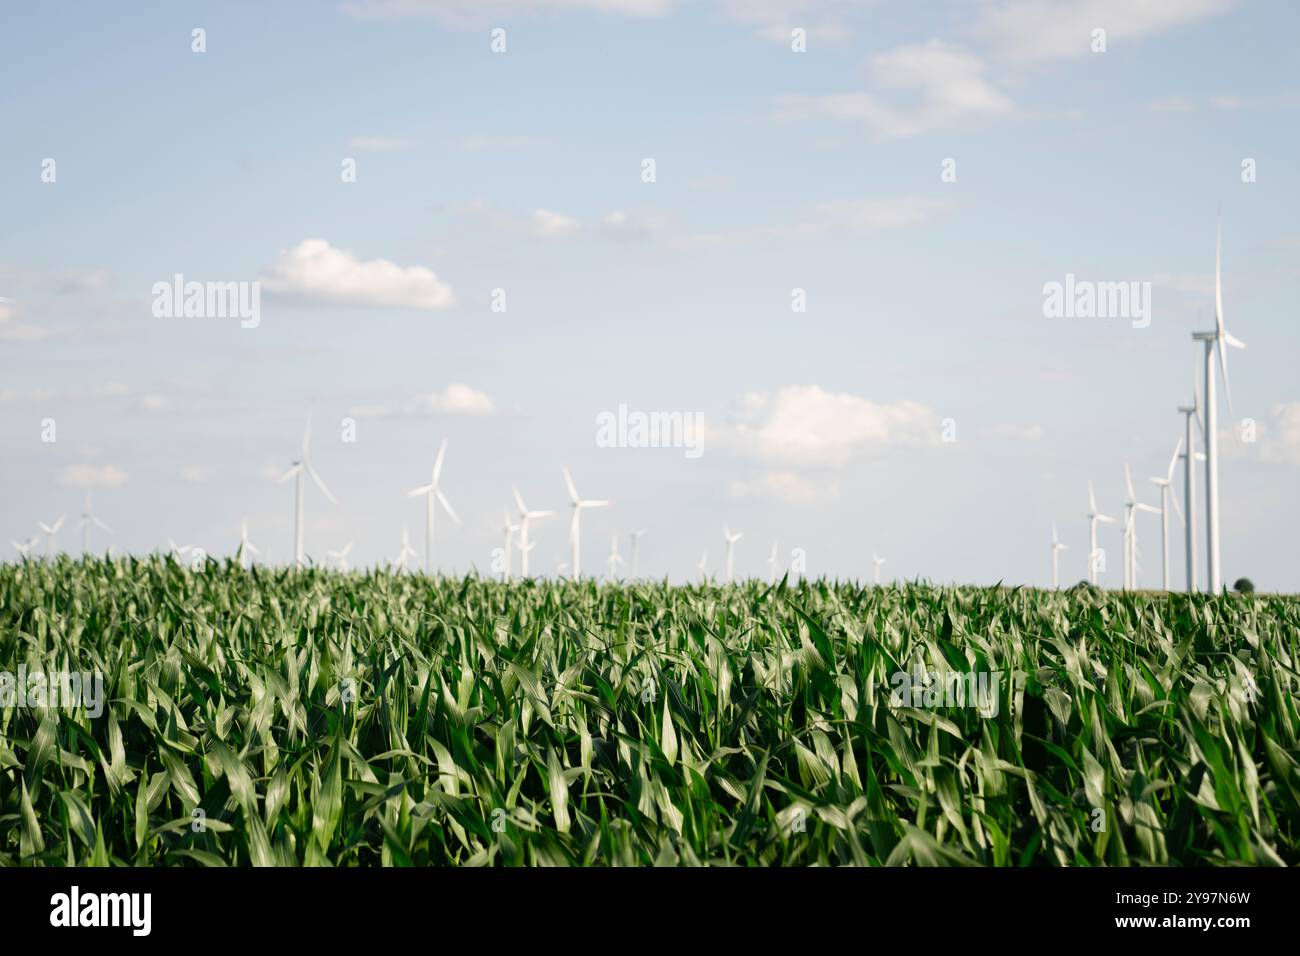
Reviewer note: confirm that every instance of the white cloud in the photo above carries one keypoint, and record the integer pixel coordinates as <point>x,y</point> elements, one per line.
<point>1225,102</point>
<point>931,86</point>
<point>1060,29</point>
<point>836,217</point>
<point>804,425</point>
<point>552,225</point>
<point>12,329</point>
<point>455,399</point>
<point>378,144</point>
<point>315,271</point>
<point>1279,438</point>
<point>91,476</point>
<point>469,12</point>
<point>785,486</point>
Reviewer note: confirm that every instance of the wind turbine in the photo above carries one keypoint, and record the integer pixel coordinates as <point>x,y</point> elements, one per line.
<point>878,562</point>
<point>509,527</point>
<point>525,516</point>
<point>577,504</point>
<point>1093,517</point>
<point>1131,507</point>
<point>406,552</point>
<point>615,560</point>
<point>50,530</point>
<point>1220,339</point>
<point>430,492</point>
<point>771,565</point>
<point>341,556</point>
<point>636,537</point>
<point>703,566</point>
<point>88,518</point>
<point>1057,548</point>
<point>24,547</point>
<point>300,468</point>
<point>245,546</point>
<point>730,540</point>
<point>178,551</point>
<point>1165,484</point>
<point>1189,481</point>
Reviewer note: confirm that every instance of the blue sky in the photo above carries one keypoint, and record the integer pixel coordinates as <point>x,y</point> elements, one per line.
<point>775,170</point>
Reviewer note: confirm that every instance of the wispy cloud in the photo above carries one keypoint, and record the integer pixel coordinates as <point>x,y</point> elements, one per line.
<point>455,399</point>
<point>913,90</point>
<point>841,217</point>
<point>92,476</point>
<point>470,12</point>
<point>787,486</point>
<point>315,272</point>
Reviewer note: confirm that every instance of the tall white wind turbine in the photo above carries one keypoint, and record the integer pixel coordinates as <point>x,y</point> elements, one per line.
<point>1093,517</point>
<point>509,527</point>
<point>50,530</point>
<point>298,470</point>
<point>526,518</point>
<point>577,504</point>
<point>1131,508</point>
<point>1057,548</point>
<point>1189,477</point>
<point>636,551</point>
<point>1165,485</point>
<point>879,563</point>
<point>431,491</point>
<point>730,540</point>
<point>88,518</point>
<point>1219,339</point>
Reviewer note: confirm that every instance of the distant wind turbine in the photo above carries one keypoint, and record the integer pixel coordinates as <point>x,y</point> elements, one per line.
<point>1165,484</point>
<point>1131,508</point>
<point>879,562</point>
<point>89,518</point>
<point>730,541</point>
<point>341,556</point>
<point>1093,517</point>
<point>406,552</point>
<point>509,527</point>
<point>300,468</point>
<point>615,560</point>
<point>636,551</point>
<point>526,517</point>
<point>771,565</point>
<point>575,533</point>
<point>431,491</point>
<point>50,530</point>
<point>1219,339</point>
<point>245,546</point>
<point>24,547</point>
<point>703,566</point>
<point>1189,481</point>
<point>1057,548</point>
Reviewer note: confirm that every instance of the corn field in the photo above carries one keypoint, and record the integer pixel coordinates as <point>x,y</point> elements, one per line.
<point>302,717</point>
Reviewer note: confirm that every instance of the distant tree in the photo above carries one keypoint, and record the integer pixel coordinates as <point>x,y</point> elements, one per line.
<point>1244,586</point>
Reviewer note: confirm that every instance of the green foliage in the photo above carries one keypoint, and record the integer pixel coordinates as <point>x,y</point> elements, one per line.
<point>1244,586</point>
<point>305,717</point>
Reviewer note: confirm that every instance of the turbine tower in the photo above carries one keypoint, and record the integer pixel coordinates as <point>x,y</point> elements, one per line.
<point>879,563</point>
<point>509,527</point>
<point>730,540</point>
<point>1131,507</point>
<point>89,518</point>
<point>406,552</point>
<point>615,560</point>
<point>577,504</point>
<point>1093,517</point>
<point>431,491</point>
<point>1057,548</point>
<point>298,469</point>
<point>245,546</point>
<point>525,517</point>
<point>50,530</point>
<point>636,551</point>
<point>1189,480</point>
<point>1165,484</point>
<point>1218,340</point>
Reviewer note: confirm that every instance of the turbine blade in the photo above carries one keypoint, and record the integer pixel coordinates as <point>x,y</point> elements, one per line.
<point>593,504</point>
<point>1128,482</point>
<point>1092,498</point>
<point>446,505</point>
<point>1232,340</point>
<point>1178,509</point>
<point>573,492</point>
<point>1218,285</point>
<point>1223,365</point>
<point>321,485</point>
<point>1173,461</point>
<point>99,524</point>
<point>422,490</point>
<point>289,474</point>
<point>523,509</point>
<point>437,462</point>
